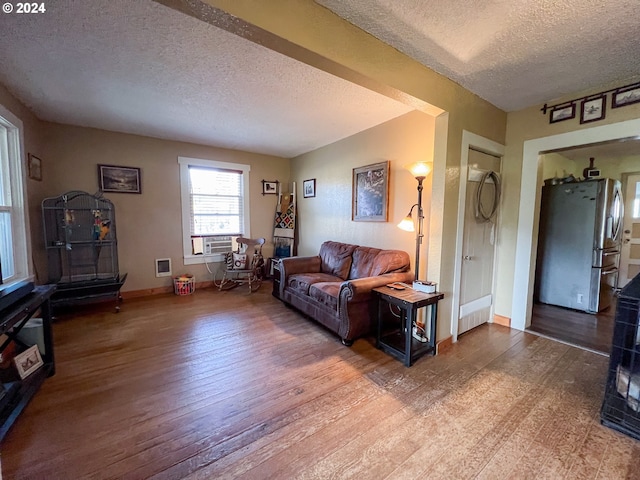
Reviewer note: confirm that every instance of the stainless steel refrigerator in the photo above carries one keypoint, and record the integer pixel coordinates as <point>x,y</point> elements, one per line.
<point>579,244</point>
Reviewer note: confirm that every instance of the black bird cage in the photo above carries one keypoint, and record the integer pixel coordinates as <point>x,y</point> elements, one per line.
<point>82,247</point>
<point>621,405</point>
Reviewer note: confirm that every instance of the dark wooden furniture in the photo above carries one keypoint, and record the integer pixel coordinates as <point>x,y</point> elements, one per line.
<point>275,268</point>
<point>12,319</point>
<point>399,341</point>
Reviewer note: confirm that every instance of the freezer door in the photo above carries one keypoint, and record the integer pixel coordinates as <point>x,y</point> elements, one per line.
<point>608,228</point>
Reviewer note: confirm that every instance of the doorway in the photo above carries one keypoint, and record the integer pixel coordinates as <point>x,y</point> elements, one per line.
<point>616,160</point>
<point>528,210</point>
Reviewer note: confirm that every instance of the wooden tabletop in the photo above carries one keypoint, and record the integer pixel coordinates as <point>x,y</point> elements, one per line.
<point>409,294</point>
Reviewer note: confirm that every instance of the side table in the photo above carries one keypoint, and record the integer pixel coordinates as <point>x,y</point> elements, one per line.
<point>400,342</point>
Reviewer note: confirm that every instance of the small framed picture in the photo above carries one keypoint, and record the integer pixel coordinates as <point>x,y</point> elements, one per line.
<point>269,187</point>
<point>28,361</point>
<point>309,188</point>
<point>35,168</point>
<point>562,112</point>
<point>116,179</point>
<point>625,96</point>
<point>592,109</point>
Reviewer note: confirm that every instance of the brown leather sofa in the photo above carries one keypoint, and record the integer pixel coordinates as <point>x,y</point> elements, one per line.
<point>334,287</point>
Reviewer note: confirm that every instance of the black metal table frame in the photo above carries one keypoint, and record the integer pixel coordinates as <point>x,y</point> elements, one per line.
<point>409,302</point>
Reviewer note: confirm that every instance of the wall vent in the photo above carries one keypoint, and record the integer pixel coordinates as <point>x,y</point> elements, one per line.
<point>163,267</point>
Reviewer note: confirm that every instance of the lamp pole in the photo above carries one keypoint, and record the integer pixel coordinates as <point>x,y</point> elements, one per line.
<point>420,222</point>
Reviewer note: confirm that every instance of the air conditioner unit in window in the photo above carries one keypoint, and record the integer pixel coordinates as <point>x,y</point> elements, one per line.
<point>214,245</point>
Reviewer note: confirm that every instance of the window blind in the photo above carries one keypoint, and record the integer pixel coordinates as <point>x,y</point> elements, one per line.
<point>216,201</point>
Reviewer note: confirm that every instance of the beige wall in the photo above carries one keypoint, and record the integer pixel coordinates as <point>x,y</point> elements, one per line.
<point>304,30</point>
<point>149,225</point>
<point>327,216</point>
<point>526,125</point>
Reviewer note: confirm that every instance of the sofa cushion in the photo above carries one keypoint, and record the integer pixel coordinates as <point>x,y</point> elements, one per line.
<point>326,293</point>
<point>364,259</point>
<point>335,258</point>
<point>371,262</point>
<point>302,281</point>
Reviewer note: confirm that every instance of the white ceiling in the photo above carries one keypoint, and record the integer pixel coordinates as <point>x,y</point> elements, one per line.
<point>143,68</point>
<point>513,53</point>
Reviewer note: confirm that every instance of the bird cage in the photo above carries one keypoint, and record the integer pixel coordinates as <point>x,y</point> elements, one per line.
<point>82,247</point>
<point>621,405</point>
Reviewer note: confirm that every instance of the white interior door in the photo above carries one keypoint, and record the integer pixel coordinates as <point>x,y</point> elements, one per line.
<point>478,247</point>
<point>630,251</point>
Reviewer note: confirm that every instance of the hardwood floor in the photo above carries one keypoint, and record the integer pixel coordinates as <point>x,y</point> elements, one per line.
<point>594,332</point>
<point>236,385</point>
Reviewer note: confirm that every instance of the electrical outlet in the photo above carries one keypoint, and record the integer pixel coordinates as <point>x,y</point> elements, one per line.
<point>580,298</point>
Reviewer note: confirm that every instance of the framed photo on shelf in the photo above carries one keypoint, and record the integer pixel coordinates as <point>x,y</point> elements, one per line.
<point>370,193</point>
<point>112,178</point>
<point>35,168</point>
<point>269,187</point>
<point>625,96</point>
<point>309,188</point>
<point>28,361</point>
<point>562,112</point>
<point>592,109</point>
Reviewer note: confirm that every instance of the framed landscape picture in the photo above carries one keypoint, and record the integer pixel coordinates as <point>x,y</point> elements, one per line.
<point>625,96</point>
<point>566,112</point>
<point>116,179</point>
<point>370,195</point>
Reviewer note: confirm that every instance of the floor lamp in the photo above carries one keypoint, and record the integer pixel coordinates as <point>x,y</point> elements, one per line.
<point>420,171</point>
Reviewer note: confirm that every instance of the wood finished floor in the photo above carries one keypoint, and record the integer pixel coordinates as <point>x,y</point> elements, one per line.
<point>594,332</point>
<point>232,385</point>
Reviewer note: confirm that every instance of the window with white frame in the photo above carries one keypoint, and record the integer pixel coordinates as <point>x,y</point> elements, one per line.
<point>14,244</point>
<point>215,207</point>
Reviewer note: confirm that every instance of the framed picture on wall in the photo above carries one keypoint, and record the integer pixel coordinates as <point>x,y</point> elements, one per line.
<point>592,109</point>
<point>35,168</point>
<point>309,188</point>
<point>370,194</point>
<point>561,113</point>
<point>269,187</point>
<point>625,96</point>
<point>112,178</point>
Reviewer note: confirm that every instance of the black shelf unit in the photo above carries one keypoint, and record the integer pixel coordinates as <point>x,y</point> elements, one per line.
<point>621,405</point>
<point>17,392</point>
<point>82,248</point>
<point>395,337</point>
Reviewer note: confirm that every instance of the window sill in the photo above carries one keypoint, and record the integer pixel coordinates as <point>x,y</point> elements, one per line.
<point>201,259</point>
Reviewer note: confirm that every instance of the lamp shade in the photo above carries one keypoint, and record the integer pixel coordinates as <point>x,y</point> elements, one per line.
<point>407,224</point>
<point>419,169</point>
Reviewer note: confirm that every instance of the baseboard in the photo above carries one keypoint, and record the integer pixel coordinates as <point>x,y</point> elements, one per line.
<point>147,292</point>
<point>444,345</point>
<point>500,320</point>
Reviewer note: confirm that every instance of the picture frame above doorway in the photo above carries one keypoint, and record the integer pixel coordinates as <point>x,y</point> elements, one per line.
<point>593,109</point>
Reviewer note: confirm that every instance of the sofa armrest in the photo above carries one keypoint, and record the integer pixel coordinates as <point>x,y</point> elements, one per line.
<point>292,265</point>
<point>359,289</point>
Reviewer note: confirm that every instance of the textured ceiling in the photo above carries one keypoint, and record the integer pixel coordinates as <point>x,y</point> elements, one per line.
<point>513,53</point>
<point>143,68</point>
<point>140,67</point>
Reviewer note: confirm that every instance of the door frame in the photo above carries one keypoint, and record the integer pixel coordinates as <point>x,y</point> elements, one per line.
<point>624,180</point>
<point>470,140</point>
<point>529,208</point>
